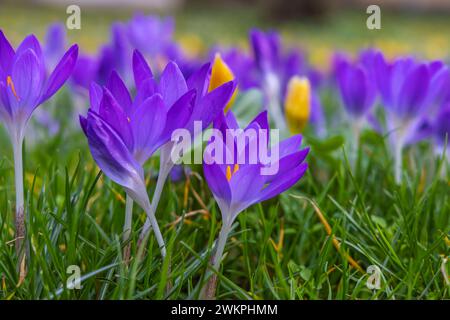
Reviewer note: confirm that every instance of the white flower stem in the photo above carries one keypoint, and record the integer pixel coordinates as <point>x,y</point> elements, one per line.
<point>154,224</point>
<point>164,171</point>
<point>221,241</point>
<point>128,218</point>
<point>276,113</point>
<point>18,177</point>
<point>398,148</point>
<point>355,147</point>
<point>208,291</point>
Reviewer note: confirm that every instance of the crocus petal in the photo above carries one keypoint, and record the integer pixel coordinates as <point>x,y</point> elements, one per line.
<point>141,70</point>
<point>83,124</point>
<point>245,184</point>
<point>114,158</point>
<point>62,71</point>
<point>178,115</point>
<point>289,145</point>
<point>147,123</point>
<point>120,92</point>
<point>413,92</point>
<point>281,185</point>
<point>32,43</point>
<point>288,163</point>
<point>263,121</point>
<point>115,116</point>
<point>6,56</point>
<point>219,186</point>
<point>147,88</point>
<point>199,81</point>
<point>95,96</point>
<point>172,84</point>
<point>212,104</point>
<point>383,72</point>
<point>27,79</point>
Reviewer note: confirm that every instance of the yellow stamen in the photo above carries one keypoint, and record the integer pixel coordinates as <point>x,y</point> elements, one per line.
<point>220,74</point>
<point>229,174</point>
<point>10,84</point>
<point>298,104</point>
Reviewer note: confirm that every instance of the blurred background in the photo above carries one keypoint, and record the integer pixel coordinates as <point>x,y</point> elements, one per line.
<point>421,27</point>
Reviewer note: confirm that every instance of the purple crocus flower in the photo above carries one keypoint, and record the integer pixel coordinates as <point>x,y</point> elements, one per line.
<point>357,89</point>
<point>24,85</point>
<point>238,184</point>
<point>405,88</point>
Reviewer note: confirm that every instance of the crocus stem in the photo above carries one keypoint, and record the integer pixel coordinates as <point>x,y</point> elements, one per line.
<point>398,148</point>
<point>127,226</point>
<point>154,224</point>
<point>162,177</point>
<point>355,147</point>
<point>20,213</point>
<point>128,218</point>
<point>277,116</point>
<point>209,290</point>
<point>18,176</point>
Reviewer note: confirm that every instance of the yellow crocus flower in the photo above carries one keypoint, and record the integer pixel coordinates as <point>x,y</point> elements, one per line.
<point>298,104</point>
<point>220,74</point>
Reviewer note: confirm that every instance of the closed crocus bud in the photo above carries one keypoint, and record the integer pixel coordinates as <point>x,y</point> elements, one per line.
<point>220,74</point>
<point>297,104</point>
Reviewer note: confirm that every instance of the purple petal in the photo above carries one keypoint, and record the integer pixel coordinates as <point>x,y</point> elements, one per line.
<point>113,157</point>
<point>178,115</point>
<point>115,116</point>
<point>6,56</point>
<point>28,80</point>
<point>199,81</point>
<point>62,71</point>
<point>413,92</point>
<point>147,89</point>
<point>120,92</point>
<point>147,123</point>
<point>212,104</point>
<point>284,183</point>
<point>141,70</point>
<point>95,96</point>
<point>218,184</point>
<point>172,84</point>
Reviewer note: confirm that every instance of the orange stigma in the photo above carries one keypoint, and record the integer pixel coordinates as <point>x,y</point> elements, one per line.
<point>229,174</point>
<point>10,84</point>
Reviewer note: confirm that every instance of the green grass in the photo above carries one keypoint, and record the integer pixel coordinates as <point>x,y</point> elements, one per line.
<point>278,249</point>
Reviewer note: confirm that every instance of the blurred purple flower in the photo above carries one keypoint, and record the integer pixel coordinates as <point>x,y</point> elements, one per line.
<point>357,89</point>
<point>409,90</point>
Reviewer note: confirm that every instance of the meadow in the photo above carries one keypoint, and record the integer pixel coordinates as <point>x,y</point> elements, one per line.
<point>314,241</point>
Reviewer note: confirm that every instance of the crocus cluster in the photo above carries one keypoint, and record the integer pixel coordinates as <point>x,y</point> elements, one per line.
<point>123,133</point>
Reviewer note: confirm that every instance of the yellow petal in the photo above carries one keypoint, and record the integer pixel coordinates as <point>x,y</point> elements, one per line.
<point>221,73</point>
<point>297,104</point>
